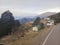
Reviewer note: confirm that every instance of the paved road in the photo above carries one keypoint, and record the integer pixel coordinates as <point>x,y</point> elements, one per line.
<point>53,37</point>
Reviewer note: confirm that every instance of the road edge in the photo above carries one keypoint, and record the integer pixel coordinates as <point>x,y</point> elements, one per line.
<point>48,35</point>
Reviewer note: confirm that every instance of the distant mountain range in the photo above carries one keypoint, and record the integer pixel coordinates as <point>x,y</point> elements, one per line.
<point>26,19</point>
<point>44,15</point>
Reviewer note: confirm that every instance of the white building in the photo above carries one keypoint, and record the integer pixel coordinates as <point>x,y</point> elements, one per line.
<point>50,23</point>
<point>35,28</point>
<point>47,19</point>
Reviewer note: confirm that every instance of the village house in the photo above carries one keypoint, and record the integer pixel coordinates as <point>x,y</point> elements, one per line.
<point>38,27</point>
<point>35,28</point>
<point>49,22</point>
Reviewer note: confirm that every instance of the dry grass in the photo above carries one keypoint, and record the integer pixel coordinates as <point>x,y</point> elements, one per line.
<point>31,37</point>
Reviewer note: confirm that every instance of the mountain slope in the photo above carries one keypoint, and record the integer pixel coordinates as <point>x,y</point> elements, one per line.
<point>47,14</point>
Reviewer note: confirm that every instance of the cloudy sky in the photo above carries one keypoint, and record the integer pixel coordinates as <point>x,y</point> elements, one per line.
<point>29,7</point>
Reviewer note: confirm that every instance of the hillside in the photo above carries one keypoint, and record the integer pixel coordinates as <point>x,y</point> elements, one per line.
<point>46,14</point>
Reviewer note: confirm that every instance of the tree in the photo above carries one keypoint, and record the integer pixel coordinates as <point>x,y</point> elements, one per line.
<point>17,23</point>
<point>16,26</point>
<point>7,23</point>
<point>56,18</point>
<point>37,21</point>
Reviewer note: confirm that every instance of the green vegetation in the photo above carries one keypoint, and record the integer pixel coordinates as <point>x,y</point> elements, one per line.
<point>56,18</point>
<point>37,23</point>
<point>7,22</point>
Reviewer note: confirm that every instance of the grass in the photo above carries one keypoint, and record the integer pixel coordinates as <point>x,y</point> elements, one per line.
<point>29,37</point>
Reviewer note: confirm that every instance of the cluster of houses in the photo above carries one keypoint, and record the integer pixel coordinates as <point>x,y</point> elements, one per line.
<point>47,23</point>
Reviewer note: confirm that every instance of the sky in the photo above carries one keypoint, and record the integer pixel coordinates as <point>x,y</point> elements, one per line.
<point>24,8</point>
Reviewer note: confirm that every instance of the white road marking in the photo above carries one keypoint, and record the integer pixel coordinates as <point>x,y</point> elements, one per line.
<point>48,36</point>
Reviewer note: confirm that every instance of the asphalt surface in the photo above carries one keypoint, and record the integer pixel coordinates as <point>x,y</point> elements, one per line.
<point>53,37</point>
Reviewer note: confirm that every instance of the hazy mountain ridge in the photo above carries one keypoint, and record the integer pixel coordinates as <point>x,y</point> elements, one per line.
<point>28,19</point>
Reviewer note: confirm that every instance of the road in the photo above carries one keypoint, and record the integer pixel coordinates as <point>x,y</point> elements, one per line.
<point>53,37</point>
